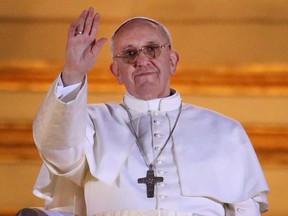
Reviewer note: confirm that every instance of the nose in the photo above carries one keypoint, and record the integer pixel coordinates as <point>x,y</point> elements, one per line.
<point>142,59</point>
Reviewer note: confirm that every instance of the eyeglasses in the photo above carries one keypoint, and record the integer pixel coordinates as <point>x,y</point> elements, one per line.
<point>130,56</point>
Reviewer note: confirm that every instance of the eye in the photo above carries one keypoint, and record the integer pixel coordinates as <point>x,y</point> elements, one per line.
<point>151,51</point>
<point>150,48</point>
<point>130,53</point>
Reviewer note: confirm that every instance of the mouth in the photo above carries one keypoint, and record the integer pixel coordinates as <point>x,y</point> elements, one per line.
<point>144,74</point>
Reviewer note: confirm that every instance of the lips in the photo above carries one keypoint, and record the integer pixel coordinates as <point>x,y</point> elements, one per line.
<point>145,74</point>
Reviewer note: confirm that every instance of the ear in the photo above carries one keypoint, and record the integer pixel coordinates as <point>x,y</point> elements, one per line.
<point>114,70</point>
<point>174,59</point>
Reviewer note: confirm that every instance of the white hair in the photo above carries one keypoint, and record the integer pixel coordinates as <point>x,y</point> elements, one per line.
<point>162,27</point>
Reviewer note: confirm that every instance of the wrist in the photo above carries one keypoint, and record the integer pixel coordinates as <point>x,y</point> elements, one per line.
<point>70,78</point>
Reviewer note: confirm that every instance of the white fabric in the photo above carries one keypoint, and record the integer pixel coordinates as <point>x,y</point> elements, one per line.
<point>210,164</point>
<point>56,213</point>
<point>128,213</point>
<point>146,213</point>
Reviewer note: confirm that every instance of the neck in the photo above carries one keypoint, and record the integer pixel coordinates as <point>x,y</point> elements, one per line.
<point>152,96</point>
<point>169,103</point>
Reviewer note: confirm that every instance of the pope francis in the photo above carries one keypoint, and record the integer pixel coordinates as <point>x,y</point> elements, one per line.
<point>152,154</point>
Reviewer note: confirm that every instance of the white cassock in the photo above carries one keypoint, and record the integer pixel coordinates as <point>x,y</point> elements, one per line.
<point>92,163</point>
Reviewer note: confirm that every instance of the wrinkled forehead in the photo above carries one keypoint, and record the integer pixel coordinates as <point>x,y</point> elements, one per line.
<point>134,20</point>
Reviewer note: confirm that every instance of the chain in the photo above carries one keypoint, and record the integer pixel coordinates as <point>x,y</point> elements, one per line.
<point>139,144</point>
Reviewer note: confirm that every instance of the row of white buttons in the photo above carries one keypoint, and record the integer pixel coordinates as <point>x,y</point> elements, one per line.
<point>161,184</point>
<point>156,148</point>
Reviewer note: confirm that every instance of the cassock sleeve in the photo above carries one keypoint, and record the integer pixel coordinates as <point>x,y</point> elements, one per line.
<point>61,139</point>
<point>58,134</point>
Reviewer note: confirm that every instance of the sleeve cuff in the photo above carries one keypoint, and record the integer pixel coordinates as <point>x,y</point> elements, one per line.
<point>68,93</point>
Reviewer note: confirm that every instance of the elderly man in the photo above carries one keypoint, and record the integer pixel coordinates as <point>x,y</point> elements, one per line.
<point>151,154</point>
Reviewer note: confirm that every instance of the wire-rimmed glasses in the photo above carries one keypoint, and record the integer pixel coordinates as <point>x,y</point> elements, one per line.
<point>130,56</point>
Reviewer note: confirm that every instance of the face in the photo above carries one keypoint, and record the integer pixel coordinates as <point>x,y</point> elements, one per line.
<point>146,78</point>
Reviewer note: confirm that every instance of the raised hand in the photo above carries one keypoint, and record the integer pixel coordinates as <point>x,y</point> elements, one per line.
<point>82,47</point>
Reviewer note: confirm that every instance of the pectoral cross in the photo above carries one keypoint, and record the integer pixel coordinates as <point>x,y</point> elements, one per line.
<point>150,180</point>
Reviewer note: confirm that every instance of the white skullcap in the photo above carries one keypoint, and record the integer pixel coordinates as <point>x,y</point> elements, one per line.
<point>166,31</point>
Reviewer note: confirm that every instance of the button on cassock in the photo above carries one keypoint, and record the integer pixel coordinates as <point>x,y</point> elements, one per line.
<point>158,135</point>
<point>157,148</point>
<point>161,171</point>
<point>159,162</point>
<point>156,122</point>
<point>162,196</point>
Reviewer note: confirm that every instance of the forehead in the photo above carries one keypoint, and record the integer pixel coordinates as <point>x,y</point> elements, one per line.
<point>139,32</point>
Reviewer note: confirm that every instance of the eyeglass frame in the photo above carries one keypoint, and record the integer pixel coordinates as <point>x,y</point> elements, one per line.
<point>141,50</point>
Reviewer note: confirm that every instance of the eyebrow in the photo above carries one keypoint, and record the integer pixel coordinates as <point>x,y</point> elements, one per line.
<point>147,44</point>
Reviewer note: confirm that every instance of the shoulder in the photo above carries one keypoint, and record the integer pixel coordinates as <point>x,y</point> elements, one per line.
<point>201,114</point>
<point>107,111</point>
<point>104,107</point>
<point>200,122</point>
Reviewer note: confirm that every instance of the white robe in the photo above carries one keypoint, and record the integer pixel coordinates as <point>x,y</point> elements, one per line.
<point>89,151</point>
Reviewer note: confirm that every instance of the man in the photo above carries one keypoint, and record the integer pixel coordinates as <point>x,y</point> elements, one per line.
<point>150,155</point>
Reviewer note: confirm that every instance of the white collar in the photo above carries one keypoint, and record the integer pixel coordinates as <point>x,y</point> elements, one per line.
<point>160,104</point>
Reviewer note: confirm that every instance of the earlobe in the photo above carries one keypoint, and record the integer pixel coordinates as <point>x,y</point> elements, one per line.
<point>114,70</point>
<point>174,59</point>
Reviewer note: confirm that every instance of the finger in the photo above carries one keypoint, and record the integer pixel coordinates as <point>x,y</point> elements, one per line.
<point>89,21</point>
<point>98,46</point>
<point>95,24</point>
<point>81,21</point>
<point>71,31</point>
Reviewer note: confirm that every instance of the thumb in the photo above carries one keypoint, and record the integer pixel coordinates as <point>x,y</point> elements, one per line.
<point>98,45</point>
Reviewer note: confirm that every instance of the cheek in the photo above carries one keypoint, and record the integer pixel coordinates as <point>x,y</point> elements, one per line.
<point>125,74</point>
<point>164,67</point>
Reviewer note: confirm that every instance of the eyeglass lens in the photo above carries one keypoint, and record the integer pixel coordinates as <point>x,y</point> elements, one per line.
<point>132,55</point>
